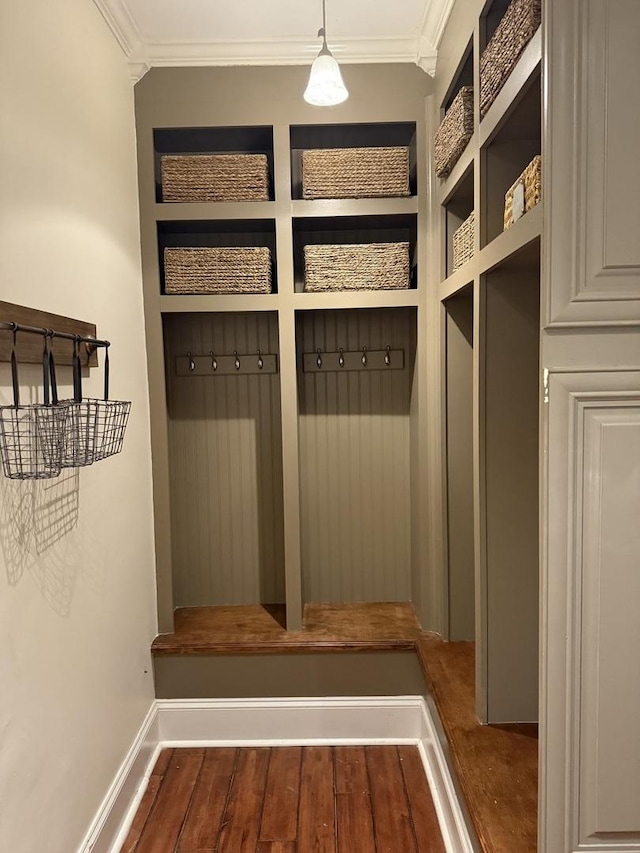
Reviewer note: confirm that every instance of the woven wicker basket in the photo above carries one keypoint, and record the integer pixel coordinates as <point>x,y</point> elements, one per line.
<point>214,270</point>
<point>363,266</point>
<point>513,34</point>
<point>355,172</point>
<point>526,192</point>
<point>214,177</point>
<point>454,133</point>
<point>463,242</point>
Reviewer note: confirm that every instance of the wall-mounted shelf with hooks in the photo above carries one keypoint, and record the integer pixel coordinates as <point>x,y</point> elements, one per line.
<point>238,364</point>
<point>363,359</point>
<point>29,347</point>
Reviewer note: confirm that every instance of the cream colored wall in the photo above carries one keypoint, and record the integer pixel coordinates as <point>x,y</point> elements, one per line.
<point>77,609</point>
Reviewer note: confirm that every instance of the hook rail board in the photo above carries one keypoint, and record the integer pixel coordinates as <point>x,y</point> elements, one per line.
<point>362,359</point>
<point>238,364</point>
<point>29,347</point>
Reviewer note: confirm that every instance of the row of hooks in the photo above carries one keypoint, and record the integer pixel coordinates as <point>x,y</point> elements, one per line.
<point>214,364</point>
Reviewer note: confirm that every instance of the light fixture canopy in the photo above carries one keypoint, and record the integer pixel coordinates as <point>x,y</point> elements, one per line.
<point>325,87</point>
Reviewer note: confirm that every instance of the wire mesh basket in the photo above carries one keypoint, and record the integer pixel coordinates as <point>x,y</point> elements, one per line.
<point>94,429</point>
<point>31,436</point>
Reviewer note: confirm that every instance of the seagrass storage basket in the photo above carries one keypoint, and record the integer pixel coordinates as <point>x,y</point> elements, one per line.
<point>355,172</point>
<point>513,34</point>
<point>361,266</point>
<point>217,270</point>
<point>463,242</point>
<point>454,133</point>
<point>524,194</point>
<point>214,177</point>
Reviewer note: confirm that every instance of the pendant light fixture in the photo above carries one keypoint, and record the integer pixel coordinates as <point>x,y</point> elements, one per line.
<point>325,87</point>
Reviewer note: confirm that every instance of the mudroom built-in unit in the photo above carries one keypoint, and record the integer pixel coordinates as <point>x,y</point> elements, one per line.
<point>288,408</point>
<point>489,209</point>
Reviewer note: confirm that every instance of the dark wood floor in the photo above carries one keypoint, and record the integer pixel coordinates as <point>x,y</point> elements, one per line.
<point>251,629</point>
<point>497,768</point>
<point>372,799</point>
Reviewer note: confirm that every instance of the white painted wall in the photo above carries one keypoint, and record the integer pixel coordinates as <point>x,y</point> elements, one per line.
<point>77,614</point>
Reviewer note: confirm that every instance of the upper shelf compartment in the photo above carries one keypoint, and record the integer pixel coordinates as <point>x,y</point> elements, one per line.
<point>504,158</point>
<point>333,169</point>
<point>506,31</point>
<point>213,164</point>
<point>452,138</point>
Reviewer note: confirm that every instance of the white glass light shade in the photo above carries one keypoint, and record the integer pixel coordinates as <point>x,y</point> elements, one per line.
<point>326,87</point>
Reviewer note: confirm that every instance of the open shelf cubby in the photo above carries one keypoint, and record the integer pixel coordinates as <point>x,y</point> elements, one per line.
<point>347,230</point>
<point>515,142</point>
<point>225,464</point>
<point>355,428</point>
<point>462,77</point>
<point>457,207</point>
<point>212,140</point>
<point>510,431</point>
<point>217,233</point>
<point>363,135</point>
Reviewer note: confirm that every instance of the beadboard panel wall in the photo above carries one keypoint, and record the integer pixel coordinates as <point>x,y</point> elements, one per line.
<point>225,465</point>
<point>355,461</point>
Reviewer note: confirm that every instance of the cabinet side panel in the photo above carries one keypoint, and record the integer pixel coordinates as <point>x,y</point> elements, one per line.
<point>610,637</point>
<point>225,466</point>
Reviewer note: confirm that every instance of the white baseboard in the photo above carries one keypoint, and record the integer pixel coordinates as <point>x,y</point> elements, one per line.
<point>450,816</point>
<point>276,722</point>
<point>121,802</point>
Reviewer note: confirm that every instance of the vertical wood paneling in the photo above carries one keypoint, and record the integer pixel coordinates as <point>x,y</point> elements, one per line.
<point>355,461</point>
<point>225,466</point>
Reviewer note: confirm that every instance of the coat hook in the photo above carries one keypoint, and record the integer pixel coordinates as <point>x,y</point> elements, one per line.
<point>192,364</point>
<point>236,363</point>
<point>387,357</point>
<point>214,361</point>
<point>364,357</point>
<point>341,358</point>
<point>319,359</point>
<point>260,361</point>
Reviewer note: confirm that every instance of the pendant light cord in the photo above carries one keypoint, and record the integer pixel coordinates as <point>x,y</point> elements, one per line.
<point>323,31</point>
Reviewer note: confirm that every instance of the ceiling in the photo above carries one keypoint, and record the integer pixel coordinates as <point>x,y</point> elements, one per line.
<point>274,32</point>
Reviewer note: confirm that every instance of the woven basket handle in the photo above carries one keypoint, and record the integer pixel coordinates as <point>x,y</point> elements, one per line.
<point>14,372</point>
<point>106,371</point>
<point>45,368</point>
<point>52,374</point>
<point>77,371</point>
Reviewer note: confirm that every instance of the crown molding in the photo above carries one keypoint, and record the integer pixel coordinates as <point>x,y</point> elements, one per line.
<point>122,25</point>
<point>281,52</point>
<point>421,50</point>
<point>434,20</point>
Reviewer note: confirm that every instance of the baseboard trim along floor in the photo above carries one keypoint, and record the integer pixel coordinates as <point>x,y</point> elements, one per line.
<point>277,722</point>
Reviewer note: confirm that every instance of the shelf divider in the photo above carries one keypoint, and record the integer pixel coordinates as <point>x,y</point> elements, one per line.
<point>197,211</point>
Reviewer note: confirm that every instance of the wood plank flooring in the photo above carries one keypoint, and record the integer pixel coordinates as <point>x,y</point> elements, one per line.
<point>261,628</point>
<point>497,766</point>
<point>354,799</point>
